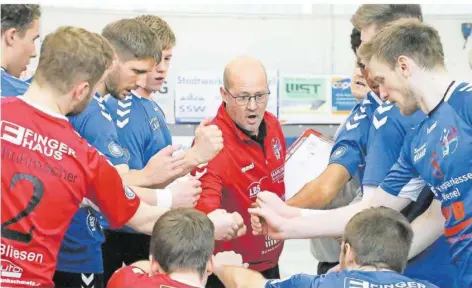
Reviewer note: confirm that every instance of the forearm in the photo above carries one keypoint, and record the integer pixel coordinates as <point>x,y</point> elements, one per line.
<point>236,277</point>
<point>139,178</point>
<point>427,228</point>
<point>313,195</point>
<point>318,193</point>
<point>321,223</point>
<point>145,217</point>
<point>146,195</point>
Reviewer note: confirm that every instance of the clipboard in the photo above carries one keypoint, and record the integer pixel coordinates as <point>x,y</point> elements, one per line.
<point>306,159</point>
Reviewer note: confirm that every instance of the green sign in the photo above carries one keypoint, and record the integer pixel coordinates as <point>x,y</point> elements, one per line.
<point>303,88</point>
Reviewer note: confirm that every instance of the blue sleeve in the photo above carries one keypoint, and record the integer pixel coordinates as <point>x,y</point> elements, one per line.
<point>386,137</point>
<point>132,137</point>
<point>97,128</point>
<point>350,146</point>
<point>298,280</point>
<point>403,180</point>
<point>461,100</point>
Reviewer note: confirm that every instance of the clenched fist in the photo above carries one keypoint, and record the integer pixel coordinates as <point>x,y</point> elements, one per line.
<point>186,192</point>
<point>208,142</point>
<point>228,258</point>
<point>227,225</point>
<point>163,166</point>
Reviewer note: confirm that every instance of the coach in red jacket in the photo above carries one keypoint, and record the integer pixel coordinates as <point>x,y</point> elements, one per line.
<point>251,161</point>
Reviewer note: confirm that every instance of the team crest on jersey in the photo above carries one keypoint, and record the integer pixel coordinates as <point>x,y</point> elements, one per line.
<point>449,140</point>
<point>276,147</point>
<point>115,150</point>
<point>129,193</point>
<point>154,122</point>
<point>338,152</point>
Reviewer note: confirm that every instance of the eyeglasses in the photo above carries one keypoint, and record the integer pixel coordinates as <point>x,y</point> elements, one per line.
<point>260,98</point>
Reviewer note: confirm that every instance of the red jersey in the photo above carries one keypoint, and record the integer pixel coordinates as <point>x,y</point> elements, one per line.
<point>130,276</point>
<point>233,178</point>
<point>47,170</point>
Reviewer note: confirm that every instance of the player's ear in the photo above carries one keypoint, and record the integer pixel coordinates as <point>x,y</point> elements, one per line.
<point>350,255</point>
<point>223,94</point>
<point>155,267</point>
<point>210,265</point>
<point>81,90</point>
<point>9,36</point>
<point>404,65</point>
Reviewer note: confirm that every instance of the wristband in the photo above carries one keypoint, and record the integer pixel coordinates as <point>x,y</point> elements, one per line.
<point>164,198</point>
<point>308,212</point>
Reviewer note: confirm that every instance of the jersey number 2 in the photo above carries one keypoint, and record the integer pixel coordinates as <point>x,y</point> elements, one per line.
<point>38,192</point>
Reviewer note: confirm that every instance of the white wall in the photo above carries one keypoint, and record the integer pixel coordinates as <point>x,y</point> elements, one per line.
<point>291,38</point>
<point>301,43</point>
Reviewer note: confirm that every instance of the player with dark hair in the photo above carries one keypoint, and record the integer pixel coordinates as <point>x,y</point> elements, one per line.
<point>20,31</point>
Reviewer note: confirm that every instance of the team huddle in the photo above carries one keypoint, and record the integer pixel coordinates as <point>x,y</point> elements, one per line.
<point>95,194</point>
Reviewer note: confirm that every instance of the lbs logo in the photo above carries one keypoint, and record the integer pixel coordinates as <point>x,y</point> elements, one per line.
<point>255,188</point>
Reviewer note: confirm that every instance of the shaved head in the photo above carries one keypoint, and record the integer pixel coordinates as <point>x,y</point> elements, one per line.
<point>245,92</point>
<point>242,65</point>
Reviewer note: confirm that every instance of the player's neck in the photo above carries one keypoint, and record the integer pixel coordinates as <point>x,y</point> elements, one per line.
<point>5,63</point>
<point>192,279</point>
<point>432,86</point>
<point>102,90</point>
<point>46,98</point>
<point>370,268</point>
<point>144,93</point>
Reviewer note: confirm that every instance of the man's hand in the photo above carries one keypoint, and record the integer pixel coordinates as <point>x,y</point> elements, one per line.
<point>227,225</point>
<point>186,192</point>
<point>208,142</point>
<point>228,258</point>
<point>163,166</point>
<point>265,221</point>
<point>272,201</point>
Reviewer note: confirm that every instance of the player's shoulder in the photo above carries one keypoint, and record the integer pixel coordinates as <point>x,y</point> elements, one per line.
<point>460,89</point>
<point>297,280</point>
<point>127,276</point>
<point>11,101</point>
<point>458,94</point>
<point>130,276</point>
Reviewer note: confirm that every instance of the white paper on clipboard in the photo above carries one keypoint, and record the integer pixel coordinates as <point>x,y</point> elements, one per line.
<point>306,159</point>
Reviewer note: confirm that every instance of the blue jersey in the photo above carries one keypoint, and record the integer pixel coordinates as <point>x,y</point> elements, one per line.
<point>141,128</point>
<point>350,279</point>
<point>80,250</point>
<point>439,152</point>
<point>387,134</point>
<point>12,86</point>
<point>350,147</point>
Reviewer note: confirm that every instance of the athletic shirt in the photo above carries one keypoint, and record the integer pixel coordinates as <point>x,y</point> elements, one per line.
<point>350,148</point>
<point>438,152</point>
<point>12,86</point>
<point>350,279</point>
<point>81,247</point>
<point>386,137</point>
<point>141,128</point>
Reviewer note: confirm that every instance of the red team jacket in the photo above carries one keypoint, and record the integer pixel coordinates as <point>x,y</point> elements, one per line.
<point>233,178</point>
<point>130,276</point>
<point>47,170</point>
